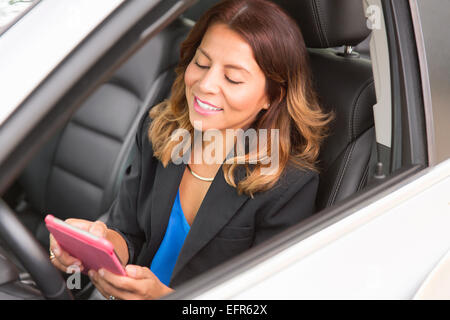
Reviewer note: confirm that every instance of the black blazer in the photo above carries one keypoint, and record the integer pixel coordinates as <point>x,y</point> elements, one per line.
<point>226,223</point>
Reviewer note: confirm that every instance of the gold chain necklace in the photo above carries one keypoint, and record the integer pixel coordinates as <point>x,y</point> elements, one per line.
<point>198,176</point>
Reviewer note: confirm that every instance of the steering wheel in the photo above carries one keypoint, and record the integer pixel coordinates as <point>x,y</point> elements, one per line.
<point>33,257</point>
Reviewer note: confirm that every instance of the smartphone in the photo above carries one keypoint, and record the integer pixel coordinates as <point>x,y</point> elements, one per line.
<point>93,251</point>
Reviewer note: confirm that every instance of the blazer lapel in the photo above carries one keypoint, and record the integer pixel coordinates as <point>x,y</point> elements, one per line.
<point>221,202</point>
<point>167,181</point>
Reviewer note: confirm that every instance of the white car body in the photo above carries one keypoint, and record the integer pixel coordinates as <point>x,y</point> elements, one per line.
<point>42,46</point>
<point>383,251</point>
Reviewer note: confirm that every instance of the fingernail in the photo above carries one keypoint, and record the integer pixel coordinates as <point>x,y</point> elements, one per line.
<point>91,274</point>
<point>56,252</point>
<point>101,272</point>
<point>131,271</point>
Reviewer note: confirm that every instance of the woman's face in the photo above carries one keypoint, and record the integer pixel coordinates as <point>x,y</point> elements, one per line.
<point>225,88</point>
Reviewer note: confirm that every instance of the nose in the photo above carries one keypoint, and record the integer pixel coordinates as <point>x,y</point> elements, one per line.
<point>209,81</point>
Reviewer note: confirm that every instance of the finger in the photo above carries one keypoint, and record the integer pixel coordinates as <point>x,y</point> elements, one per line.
<point>55,248</point>
<point>65,258</point>
<point>79,223</point>
<point>154,287</point>
<point>58,265</point>
<point>93,277</point>
<point>138,272</point>
<point>98,228</point>
<point>119,282</point>
<point>107,289</point>
<point>62,260</point>
<point>66,267</point>
<point>53,244</point>
<point>142,284</point>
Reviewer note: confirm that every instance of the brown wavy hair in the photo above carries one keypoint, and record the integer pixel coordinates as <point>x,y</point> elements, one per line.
<point>280,52</point>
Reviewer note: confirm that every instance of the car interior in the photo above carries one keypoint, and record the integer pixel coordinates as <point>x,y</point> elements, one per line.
<point>77,173</point>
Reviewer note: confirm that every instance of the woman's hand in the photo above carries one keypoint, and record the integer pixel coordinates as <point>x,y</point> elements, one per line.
<point>141,284</point>
<point>64,260</point>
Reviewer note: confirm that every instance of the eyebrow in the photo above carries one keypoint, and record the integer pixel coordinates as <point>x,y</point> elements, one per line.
<point>230,66</point>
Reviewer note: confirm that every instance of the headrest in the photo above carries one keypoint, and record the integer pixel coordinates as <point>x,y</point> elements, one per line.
<point>159,54</point>
<point>328,23</point>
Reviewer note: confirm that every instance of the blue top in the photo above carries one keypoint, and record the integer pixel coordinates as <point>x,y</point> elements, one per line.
<point>167,254</point>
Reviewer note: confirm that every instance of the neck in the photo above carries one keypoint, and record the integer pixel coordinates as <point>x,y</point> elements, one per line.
<point>212,151</point>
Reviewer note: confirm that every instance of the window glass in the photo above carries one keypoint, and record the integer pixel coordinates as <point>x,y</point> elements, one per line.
<point>434,16</point>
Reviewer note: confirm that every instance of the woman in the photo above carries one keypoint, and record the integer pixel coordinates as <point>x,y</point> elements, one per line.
<point>243,67</point>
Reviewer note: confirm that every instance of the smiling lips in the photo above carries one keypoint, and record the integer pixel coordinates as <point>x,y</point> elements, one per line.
<point>205,108</point>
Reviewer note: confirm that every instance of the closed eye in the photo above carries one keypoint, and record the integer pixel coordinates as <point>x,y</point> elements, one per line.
<point>206,67</point>
<point>231,81</point>
<point>200,66</point>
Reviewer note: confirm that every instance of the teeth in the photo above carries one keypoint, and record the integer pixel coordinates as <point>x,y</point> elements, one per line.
<point>206,106</point>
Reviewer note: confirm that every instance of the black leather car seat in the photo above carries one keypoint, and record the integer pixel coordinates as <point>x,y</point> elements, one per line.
<point>78,172</point>
<point>345,85</point>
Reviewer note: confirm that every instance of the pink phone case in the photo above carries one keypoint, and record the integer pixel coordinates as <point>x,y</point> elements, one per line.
<point>94,252</point>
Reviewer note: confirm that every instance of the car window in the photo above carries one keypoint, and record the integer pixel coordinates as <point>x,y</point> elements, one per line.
<point>13,10</point>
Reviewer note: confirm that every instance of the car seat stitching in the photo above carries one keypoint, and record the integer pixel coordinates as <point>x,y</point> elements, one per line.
<point>96,131</point>
<point>364,177</point>
<point>355,106</point>
<point>323,25</point>
<point>117,82</point>
<point>77,176</point>
<point>317,23</point>
<point>341,174</point>
<point>52,165</point>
